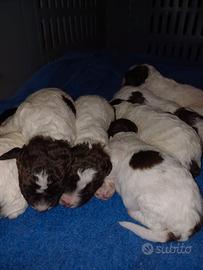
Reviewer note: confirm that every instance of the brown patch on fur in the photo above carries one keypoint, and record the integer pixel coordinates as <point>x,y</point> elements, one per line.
<point>194,168</point>
<point>121,125</point>
<point>136,97</point>
<point>116,101</point>
<point>189,117</point>
<point>173,237</point>
<point>145,159</point>
<point>137,75</point>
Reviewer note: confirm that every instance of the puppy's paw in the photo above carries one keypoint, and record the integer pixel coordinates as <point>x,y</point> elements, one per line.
<point>15,214</point>
<point>106,191</point>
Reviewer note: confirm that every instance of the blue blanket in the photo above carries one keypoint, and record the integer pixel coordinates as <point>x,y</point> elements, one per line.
<point>90,237</point>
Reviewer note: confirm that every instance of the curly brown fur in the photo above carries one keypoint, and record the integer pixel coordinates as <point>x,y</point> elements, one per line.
<point>42,155</point>
<point>88,157</point>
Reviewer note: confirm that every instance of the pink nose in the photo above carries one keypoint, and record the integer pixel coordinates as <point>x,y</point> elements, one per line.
<point>68,200</point>
<point>65,203</point>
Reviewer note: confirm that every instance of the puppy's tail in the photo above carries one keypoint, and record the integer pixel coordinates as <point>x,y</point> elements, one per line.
<point>147,234</point>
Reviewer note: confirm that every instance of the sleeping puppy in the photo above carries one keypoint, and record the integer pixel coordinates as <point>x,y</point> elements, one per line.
<point>142,95</point>
<point>42,169</point>
<point>47,121</point>
<point>49,112</point>
<point>155,188</point>
<point>149,77</point>
<point>12,202</point>
<point>91,162</point>
<point>165,131</point>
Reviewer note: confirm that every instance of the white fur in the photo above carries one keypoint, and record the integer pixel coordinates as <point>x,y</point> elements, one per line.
<point>183,94</point>
<point>12,202</point>
<point>42,181</point>
<point>164,198</point>
<point>164,131</point>
<point>86,177</point>
<point>72,199</point>
<point>94,115</point>
<point>44,113</point>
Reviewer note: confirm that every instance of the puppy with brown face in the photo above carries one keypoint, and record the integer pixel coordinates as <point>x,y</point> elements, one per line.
<point>91,162</point>
<point>42,166</point>
<point>47,121</point>
<point>90,167</point>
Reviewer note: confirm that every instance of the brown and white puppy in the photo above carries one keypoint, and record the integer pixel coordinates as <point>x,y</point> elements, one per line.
<point>91,162</point>
<point>149,77</point>
<point>47,121</point>
<point>155,188</point>
<point>141,95</point>
<point>90,166</point>
<point>42,165</point>
<point>166,132</point>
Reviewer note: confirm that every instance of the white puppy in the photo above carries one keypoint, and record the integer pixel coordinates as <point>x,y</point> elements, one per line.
<point>166,132</point>
<point>48,112</point>
<point>91,163</point>
<point>155,188</point>
<point>12,202</point>
<point>149,77</point>
<point>142,95</point>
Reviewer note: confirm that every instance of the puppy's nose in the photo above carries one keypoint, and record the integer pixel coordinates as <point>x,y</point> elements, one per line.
<point>66,204</point>
<point>69,200</point>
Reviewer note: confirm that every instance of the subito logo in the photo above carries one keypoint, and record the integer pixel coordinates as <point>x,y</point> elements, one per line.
<point>147,249</point>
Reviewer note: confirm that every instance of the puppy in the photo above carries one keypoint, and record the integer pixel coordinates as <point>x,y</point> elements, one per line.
<point>149,77</point>
<point>166,132</point>
<point>91,162</point>
<point>142,95</point>
<point>155,188</point>
<point>12,202</point>
<point>48,112</point>
<point>47,121</point>
<point>42,168</point>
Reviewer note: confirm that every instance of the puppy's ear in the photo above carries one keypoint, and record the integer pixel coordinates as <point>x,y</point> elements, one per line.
<point>11,154</point>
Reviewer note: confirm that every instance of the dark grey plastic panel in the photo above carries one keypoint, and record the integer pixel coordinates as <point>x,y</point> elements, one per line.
<point>34,32</point>
<point>168,28</point>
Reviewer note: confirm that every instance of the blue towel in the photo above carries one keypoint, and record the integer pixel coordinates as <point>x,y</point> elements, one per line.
<point>90,237</point>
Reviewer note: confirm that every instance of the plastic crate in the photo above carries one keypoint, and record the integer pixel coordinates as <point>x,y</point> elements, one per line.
<point>166,28</point>
<point>69,24</point>
<point>35,32</point>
